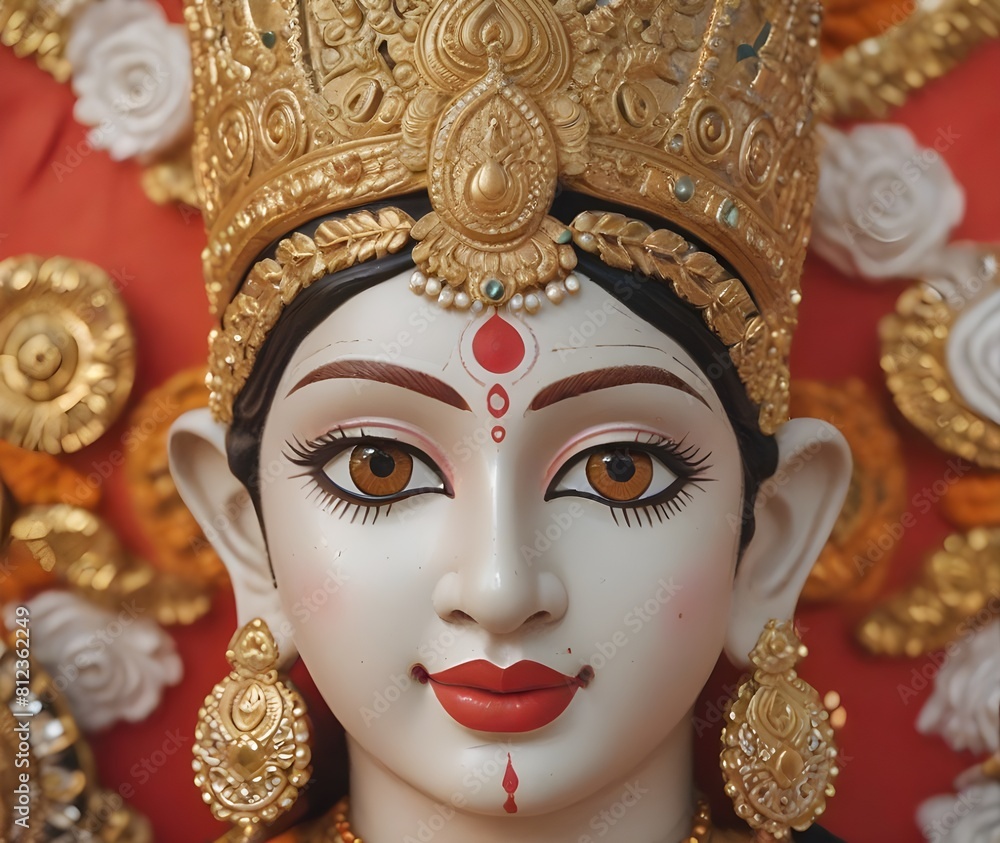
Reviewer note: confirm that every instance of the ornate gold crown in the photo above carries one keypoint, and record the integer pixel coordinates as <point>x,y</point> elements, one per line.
<point>696,111</point>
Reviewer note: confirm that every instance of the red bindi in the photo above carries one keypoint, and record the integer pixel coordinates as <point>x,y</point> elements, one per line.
<point>497,346</point>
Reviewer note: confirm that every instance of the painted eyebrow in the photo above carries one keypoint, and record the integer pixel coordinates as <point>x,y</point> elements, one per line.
<point>606,378</point>
<point>371,370</point>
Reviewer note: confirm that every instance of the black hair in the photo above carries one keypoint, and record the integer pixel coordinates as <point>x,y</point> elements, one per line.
<point>652,301</point>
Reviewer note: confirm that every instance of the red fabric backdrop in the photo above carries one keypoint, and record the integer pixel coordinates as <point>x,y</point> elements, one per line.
<point>93,208</point>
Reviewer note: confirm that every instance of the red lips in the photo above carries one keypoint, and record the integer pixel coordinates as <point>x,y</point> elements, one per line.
<point>520,698</point>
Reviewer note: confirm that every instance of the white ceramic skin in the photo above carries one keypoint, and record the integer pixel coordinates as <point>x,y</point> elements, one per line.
<point>444,580</point>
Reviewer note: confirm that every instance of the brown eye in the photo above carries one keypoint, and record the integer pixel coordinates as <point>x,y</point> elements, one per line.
<point>619,474</point>
<point>380,471</point>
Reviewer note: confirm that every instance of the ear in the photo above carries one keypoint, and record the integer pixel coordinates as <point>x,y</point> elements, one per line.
<point>223,509</point>
<point>795,512</point>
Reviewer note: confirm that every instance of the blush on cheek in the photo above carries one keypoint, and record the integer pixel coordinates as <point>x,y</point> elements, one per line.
<point>701,598</point>
<point>311,584</point>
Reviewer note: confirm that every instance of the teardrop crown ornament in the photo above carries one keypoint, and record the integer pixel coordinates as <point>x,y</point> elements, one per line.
<point>493,162</point>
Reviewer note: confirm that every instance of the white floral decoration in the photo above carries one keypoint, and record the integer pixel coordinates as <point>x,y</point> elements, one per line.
<point>967,276</point>
<point>886,205</point>
<point>974,359</point>
<point>110,665</point>
<point>971,816</point>
<point>965,705</point>
<point>131,76</point>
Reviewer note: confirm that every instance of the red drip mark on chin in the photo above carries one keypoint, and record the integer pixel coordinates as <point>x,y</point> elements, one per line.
<point>510,785</point>
<point>498,434</point>
<point>497,346</point>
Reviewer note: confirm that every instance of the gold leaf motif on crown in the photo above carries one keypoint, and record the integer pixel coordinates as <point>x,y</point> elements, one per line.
<point>695,111</point>
<point>662,83</point>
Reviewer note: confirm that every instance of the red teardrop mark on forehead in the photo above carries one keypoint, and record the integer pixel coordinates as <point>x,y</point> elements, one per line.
<point>497,346</point>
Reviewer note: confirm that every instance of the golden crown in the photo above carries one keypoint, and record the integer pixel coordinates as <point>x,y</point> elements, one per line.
<point>695,111</point>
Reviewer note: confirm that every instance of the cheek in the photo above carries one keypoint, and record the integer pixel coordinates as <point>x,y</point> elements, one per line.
<point>357,595</point>
<point>697,614</point>
<point>652,604</point>
<point>301,540</point>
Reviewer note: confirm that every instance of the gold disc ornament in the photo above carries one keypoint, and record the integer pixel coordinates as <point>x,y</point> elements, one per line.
<point>914,360</point>
<point>67,355</point>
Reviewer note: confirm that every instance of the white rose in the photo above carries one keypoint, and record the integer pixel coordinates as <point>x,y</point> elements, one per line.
<point>973,354</point>
<point>111,666</point>
<point>132,77</point>
<point>972,816</point>
<point>885,205</point>
<point>965,706</point>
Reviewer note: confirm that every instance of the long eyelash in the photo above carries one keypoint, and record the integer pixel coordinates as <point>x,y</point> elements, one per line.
<point>663,510</point>
<point>307,453</point>
<point>331,504</point>
<point>695,465</point>
<point>313,454</point>
<point>687,455</point>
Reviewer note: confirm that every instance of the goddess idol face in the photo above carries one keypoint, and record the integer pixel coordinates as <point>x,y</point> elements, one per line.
<point>505,545</point>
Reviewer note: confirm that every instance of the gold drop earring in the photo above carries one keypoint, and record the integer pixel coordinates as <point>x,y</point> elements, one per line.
<point>251,751</point>
<point>778,754</point>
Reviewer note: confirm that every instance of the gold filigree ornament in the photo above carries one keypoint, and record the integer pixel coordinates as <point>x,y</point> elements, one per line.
<point>880,73</point>
<point>757,346</point>
<point>335,827</point>
<point>778,754</point>
<point>298,262</point>
<point>914,346</point>
<point>38,28</point>
<point>84,553</point>
<point>251,749</point>
<point>696,111</point>
<point>64,791</point>
<point>67,355</point>
<point>958,590</point>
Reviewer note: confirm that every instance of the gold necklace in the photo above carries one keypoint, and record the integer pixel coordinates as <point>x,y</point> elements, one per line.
<point>701,824</point>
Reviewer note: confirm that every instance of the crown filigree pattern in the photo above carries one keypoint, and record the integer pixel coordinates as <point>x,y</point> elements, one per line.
<point>758,345</point>
<point>696,111</point>
<point>298,262</point>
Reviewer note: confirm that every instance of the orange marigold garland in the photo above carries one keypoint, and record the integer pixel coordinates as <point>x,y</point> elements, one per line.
<point>20,577</point>
<point>847,569</point>
<point>973,501</point>
<point>34,477</point>
<point>29,478</point>
<point>181,546</point>
<point>849,22</point>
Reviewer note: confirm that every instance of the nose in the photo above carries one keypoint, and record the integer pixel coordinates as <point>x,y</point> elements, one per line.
<point>499,586</point>
<point>500,599</point>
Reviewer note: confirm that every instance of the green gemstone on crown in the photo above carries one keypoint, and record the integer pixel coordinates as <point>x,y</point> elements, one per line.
<point>493,289</point>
